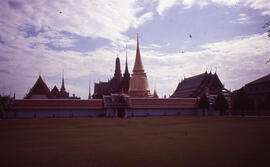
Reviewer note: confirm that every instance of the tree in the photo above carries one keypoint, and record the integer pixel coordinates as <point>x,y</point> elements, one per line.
<point>203,103</point>
<point>221,104</point>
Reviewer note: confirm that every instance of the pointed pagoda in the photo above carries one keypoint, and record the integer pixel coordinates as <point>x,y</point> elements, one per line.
<point>117,72</point>
<point>138,85</point>
<point>63,83</point>
<point>39,91</point>
<point>115,82</point>
<point>113,86</point>
<point>62,93</point>
<point>126,78</point>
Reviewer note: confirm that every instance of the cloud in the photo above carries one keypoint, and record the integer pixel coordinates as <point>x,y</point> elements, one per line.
<point>14,4</point>
<point>227,2</point>
<point>24,63</point>
<point>261,5</point>
<point>40,36</point>
<point>237,62</point>
<point>85,18</point>
<point>145,17</point>
<point>240,60</point>
<point>164,5</point>
<point>242,19</point>
<point>151,46</point>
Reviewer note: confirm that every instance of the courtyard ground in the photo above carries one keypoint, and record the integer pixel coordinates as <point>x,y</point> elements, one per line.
<point>147,141</point>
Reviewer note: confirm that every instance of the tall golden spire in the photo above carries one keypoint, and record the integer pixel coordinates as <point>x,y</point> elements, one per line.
<point>138,67</point>
<point>138,84</point>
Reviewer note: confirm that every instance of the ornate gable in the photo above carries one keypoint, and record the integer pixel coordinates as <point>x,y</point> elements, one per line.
<point>39,91</point>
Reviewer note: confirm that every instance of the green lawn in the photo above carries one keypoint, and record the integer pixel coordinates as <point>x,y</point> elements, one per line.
<point>148,141</point>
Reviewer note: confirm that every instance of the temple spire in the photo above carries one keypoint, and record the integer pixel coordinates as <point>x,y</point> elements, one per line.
<point>126,68</point>
<point>117,71</point>
<point>138,67</point>
<point>89,95</point>
<point>126,79</point>
<point>138,85</point>
<point>63,82</point>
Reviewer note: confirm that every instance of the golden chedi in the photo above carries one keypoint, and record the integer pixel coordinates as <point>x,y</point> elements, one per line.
<point>138,84</point>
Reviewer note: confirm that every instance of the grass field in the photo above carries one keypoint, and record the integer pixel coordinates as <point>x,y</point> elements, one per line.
<point>148,141</point>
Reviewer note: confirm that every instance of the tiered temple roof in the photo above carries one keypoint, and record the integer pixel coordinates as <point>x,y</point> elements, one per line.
<point>39,90</point>
<point>196,85</point>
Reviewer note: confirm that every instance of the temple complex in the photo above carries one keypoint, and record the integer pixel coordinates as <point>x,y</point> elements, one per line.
<point>121,96</point>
